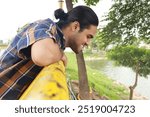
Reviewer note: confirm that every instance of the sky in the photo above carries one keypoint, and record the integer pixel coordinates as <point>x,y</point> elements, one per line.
<point>16,13</point>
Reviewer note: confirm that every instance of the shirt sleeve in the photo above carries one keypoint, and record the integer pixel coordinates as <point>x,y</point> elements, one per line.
<point>33,34</point>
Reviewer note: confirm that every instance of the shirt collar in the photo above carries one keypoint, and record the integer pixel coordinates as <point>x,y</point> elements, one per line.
<point>62,38</point>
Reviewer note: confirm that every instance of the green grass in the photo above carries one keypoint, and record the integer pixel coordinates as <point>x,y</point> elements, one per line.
<point>98,81</point>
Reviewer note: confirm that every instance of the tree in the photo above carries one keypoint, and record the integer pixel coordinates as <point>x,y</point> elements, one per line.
<point>82,72</point>
<point>88,2</point>
<point>136,58</point>
<point>98,42</point>
<point>128,23</point>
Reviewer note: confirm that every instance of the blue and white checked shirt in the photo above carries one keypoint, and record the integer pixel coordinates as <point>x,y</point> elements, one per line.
<point>17,70</point>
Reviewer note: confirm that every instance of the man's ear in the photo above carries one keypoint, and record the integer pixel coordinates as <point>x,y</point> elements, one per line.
<point>76,26</point>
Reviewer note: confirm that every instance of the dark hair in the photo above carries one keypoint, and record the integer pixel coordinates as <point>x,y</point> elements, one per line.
<point>83,14</point>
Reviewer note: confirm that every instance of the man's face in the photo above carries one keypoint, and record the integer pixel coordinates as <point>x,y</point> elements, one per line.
<point>79,40</point>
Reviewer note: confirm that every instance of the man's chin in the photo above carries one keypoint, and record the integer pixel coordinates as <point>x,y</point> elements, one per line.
<point>76,51</point>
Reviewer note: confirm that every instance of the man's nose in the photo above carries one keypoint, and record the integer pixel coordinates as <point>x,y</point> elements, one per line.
<point>88,42</point>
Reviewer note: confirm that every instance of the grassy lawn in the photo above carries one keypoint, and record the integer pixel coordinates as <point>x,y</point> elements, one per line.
<point>98,81</point>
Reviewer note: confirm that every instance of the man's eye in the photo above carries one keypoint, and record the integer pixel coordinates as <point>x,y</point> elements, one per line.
<point>89,36</point>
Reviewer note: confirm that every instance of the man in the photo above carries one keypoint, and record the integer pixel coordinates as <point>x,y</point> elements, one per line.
<point>41,43</point>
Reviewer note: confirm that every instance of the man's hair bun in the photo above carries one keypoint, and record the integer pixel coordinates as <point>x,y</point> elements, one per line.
<point>60,14</point>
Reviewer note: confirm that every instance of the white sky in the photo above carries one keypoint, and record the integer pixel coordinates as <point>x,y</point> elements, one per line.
<point>16,13</point>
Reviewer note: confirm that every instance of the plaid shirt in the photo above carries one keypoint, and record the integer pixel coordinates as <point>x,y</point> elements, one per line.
<point>17,70</point>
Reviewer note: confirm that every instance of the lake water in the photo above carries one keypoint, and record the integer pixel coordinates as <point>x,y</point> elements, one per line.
<point>121,74</point>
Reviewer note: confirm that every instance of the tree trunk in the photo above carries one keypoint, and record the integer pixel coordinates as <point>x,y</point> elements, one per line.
<point>135,84</point>
<point>69,4</point>
<point>131,93</point>
<point>83,80</point>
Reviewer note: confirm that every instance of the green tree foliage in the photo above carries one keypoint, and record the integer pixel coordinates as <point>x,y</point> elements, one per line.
<point>96,41</point>
<point>128,23</point>
<point>136,58</point>
<point>88,2</point>
<point>131,56</point>
<point>99,41</point>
